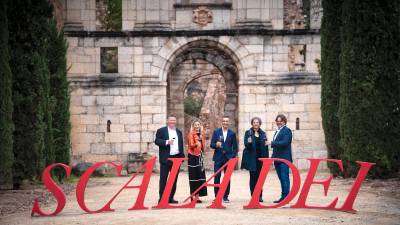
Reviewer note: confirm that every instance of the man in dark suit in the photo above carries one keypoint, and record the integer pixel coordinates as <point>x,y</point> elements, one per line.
<point>282,148</point>
<point>170,142</point>
<point>224,143</point>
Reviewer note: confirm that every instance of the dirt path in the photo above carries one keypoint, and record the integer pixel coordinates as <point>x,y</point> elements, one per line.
<point>377,203</point>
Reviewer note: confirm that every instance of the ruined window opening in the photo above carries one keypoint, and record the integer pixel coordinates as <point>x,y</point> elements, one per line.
<point>108,15</point>
<point>297,123</point>
<point>297,57</point>
<point>108,126</point>
<point>109,59</point>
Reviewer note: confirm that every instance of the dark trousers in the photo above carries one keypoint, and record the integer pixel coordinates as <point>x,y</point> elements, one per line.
<point>165,169</point>
<point>254,175</point>
<point>283,174</point>
<point>217,179</point>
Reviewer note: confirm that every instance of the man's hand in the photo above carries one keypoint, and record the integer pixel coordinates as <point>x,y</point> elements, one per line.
<point>170,142</point>
<point>249,140</point>
<point>218,144</point>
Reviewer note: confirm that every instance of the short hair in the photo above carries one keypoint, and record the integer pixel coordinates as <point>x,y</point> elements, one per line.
<point>226,117</point>
<point>283,118</point>
<point>256,118</point>
<point>171,115</point>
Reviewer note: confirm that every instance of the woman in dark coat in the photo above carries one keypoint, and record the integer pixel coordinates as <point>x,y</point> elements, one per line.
<point>255,142</point>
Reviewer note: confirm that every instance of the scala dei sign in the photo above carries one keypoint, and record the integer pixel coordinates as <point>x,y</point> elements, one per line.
<point>253,203</point>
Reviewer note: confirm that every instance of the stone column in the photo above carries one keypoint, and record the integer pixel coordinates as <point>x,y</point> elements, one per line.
<point>253,13</point>
<point>73,20</point>
<point>152,15</point>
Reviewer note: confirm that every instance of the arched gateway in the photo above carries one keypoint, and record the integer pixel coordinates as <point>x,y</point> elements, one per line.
<point>208,71</point>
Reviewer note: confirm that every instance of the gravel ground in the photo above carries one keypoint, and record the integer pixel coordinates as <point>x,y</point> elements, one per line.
<point>377,203</point>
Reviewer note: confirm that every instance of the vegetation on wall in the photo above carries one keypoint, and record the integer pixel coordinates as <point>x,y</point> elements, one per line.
<point>192,106</point>
<point>113,17</point>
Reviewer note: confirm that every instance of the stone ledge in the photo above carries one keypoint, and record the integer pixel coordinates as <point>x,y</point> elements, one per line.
<point>116,80</point>
<point>286,78</point>
<point>190,33</point>
<point>225,5</point>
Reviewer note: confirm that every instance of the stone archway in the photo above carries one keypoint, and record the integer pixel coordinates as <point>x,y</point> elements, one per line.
<point>204,62</point>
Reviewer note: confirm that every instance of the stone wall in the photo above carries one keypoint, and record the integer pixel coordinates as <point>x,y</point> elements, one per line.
<point>135,100</point>
<point>177,14</point>
<point>295,101</point>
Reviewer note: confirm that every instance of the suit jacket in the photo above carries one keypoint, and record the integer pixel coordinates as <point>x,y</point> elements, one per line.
<point>249,159</point>
<point>282,145</point>
<point>164,149</point>
<point>193,139</point>
<point>229,146</point>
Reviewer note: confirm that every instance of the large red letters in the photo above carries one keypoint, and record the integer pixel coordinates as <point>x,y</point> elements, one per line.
<point>163,204</point>
<point>217,203</point>
<point>81,186</point>
<point>254,203</point>
<point>53,188</point>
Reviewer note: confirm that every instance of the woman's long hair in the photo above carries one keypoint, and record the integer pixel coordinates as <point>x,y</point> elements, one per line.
<point>192,126</point>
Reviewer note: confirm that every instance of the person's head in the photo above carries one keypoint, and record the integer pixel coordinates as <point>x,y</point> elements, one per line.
<point>171,121</point>
<point>280,120</point>
<point>256,122</point>
<point>225,122</point>
<point>196,126</point>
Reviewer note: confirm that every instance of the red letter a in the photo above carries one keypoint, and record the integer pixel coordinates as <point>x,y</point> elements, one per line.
<point>148,168</point>
<point>217,204</point>
<point>53,188</point>
<point>163,204</point>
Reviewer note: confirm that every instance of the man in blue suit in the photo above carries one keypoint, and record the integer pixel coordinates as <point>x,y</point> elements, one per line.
<point>282,148</point>
<point>170,142</point>
<point>224,143</point>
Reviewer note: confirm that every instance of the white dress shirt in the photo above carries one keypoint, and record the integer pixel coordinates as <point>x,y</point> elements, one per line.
<point>225,133</point>
<point>174,149</point>
<point>276,133</point>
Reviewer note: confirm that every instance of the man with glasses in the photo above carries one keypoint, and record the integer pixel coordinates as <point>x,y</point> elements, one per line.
<point>282,148</point>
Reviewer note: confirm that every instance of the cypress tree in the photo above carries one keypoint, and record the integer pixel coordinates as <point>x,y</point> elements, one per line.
<point>6,105</point>
<point>57,51</point>
<point>28,28</point>
<point>369,86</point>
<point>40,76</point>
<point>330,80</point>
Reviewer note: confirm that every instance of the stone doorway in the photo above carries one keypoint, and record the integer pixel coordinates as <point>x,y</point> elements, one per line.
<point>203,83</point>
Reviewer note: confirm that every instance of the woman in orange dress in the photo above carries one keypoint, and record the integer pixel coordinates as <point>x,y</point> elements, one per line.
<point>196,143</point>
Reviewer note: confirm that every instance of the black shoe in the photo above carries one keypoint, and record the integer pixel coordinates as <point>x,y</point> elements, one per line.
<point>226,200</point>
<point>279,200</point>
<point>260,200</point>
<point>173,201</point>
<point>199,201</point>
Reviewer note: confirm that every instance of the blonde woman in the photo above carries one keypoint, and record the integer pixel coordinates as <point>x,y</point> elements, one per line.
<point>196,143</point>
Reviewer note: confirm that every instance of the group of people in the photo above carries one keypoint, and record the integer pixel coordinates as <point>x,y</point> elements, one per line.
<point>224,142</point>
